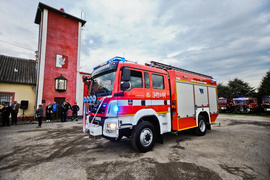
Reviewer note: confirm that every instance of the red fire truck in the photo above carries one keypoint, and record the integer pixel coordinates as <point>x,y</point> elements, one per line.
<point>244,104</point>
<point>266,104</point>
<point>224,104</point>
<point>142,102</point>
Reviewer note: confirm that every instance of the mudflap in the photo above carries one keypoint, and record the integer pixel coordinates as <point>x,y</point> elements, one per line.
<point>160,139</point>
<point>208,126</point>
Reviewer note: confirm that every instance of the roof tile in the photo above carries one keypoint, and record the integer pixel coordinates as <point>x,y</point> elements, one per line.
<point>17,70</point>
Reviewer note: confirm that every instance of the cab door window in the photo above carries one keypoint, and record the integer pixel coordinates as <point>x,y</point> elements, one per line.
<point>135,79</point>
<point>157,81</point>
<point>146,80</point>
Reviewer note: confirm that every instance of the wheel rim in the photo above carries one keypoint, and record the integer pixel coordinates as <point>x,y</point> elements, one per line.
<point>202,125</point>
<point>146,137</point>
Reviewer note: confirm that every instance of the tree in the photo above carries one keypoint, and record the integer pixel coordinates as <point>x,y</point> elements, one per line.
<point>239,88</point>
<point>223,90</point>
<point>264,88</point>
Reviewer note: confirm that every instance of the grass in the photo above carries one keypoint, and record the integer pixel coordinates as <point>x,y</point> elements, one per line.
<point>245,114</point>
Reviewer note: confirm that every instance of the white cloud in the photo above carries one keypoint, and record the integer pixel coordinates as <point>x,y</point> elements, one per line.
<point>225,39</point>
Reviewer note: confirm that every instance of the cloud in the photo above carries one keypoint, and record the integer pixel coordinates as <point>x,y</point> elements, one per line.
<point>225,39</point>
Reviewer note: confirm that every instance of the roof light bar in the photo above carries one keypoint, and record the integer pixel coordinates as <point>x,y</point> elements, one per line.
<point>115,59</point>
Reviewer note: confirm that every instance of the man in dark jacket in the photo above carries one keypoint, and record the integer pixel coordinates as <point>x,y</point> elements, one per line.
<point>68,106</point>
<point>39,113</point>
<point>63,112</point>
<point>75,108</point>
<point>14,113</point>
<point>6,110</point>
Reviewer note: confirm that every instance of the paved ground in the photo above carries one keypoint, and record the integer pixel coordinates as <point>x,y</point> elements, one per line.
<point>237,147</point>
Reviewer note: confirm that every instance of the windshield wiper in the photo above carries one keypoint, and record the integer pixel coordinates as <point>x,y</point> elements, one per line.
<point>102,91</point>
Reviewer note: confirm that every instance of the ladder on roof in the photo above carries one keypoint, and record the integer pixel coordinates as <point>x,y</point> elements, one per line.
<point>169,67</point>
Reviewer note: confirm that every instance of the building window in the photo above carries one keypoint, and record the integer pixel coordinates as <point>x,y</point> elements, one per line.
<point>6,97</point>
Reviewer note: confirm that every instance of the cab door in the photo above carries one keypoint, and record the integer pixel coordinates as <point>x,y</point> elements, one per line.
<point>147,90</point>
<point>160,93</point>
<point>134,97</point>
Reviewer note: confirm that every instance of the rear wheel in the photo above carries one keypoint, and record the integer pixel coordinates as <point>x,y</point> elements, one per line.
<point>201,129</point>
<point>143,138</point>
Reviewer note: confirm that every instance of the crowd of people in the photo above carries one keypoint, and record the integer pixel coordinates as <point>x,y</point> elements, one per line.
<point>51,111</point>
<point>6,110</point>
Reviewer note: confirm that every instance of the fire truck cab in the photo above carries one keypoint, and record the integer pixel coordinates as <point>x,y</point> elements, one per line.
<point>266,104</point>
<point>224,104</point>
<point>143,102</point>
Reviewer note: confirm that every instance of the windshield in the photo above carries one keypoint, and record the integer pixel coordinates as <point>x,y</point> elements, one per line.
<point>222,100</point>
<point>266,100</point>
<point>103,85</point>
<point>241,102</point>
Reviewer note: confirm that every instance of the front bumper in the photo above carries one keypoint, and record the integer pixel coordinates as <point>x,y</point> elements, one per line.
<point>108,128</point>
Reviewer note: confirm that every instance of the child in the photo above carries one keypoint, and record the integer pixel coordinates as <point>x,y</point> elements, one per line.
<point>75,108</point>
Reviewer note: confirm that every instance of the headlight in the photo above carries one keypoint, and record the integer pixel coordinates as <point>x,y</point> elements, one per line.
<point>111,126</point>
<point>94,99</point>
<point>90,99</point>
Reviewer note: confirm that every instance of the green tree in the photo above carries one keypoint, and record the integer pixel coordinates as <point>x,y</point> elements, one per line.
<point>223,90</point>
<point>239,88</point>
<point>264,88</point>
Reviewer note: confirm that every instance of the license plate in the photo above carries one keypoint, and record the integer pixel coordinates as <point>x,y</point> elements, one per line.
<point>98,118</point>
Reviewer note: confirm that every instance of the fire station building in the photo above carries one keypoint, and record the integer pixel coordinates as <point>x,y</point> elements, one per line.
<point>57,68</point>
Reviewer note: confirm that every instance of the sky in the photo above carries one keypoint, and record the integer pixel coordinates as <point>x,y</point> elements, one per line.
<point>225,39</point>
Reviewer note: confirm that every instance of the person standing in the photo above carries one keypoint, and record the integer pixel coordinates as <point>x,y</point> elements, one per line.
<point>68,106</point>
<point>64,112</point>
<point>39,113</point>
<point>75,108</point>
<point>14,113</point>
<point>6,110</point>
<point>48,112</point>
<point>55,108</point>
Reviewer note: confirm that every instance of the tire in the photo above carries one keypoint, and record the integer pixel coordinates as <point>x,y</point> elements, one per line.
<point>143,137</point>
<point>201,129</point>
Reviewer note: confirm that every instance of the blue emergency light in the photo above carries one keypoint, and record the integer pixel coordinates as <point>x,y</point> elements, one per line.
<point>115,59</point>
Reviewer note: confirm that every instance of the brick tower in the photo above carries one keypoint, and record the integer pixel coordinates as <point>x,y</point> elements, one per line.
<point>59,55</point>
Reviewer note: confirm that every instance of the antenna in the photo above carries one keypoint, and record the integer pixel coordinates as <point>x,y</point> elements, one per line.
<point>83,12</point>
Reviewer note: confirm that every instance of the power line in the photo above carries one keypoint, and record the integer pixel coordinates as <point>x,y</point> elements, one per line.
<point>17,45</point>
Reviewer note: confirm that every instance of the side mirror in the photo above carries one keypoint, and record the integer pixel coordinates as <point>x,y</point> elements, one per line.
<point>125,86</point>
<point>126,75</point>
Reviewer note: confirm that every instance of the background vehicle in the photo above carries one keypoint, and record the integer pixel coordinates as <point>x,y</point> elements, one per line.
<point>143,102</point>
<point>244,104</point>
<point>266,104</point>
<point>224,104</point>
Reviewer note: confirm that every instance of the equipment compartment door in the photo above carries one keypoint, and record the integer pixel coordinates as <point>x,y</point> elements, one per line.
<point>213,100</point>
<point>185,100</point>
<point>201,96</point>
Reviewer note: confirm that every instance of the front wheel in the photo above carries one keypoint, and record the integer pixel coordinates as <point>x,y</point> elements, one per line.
<point>201,129</point>
<point>143,138</point>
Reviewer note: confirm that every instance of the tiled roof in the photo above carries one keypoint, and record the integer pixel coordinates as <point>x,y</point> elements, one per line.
<point>17,70</point>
